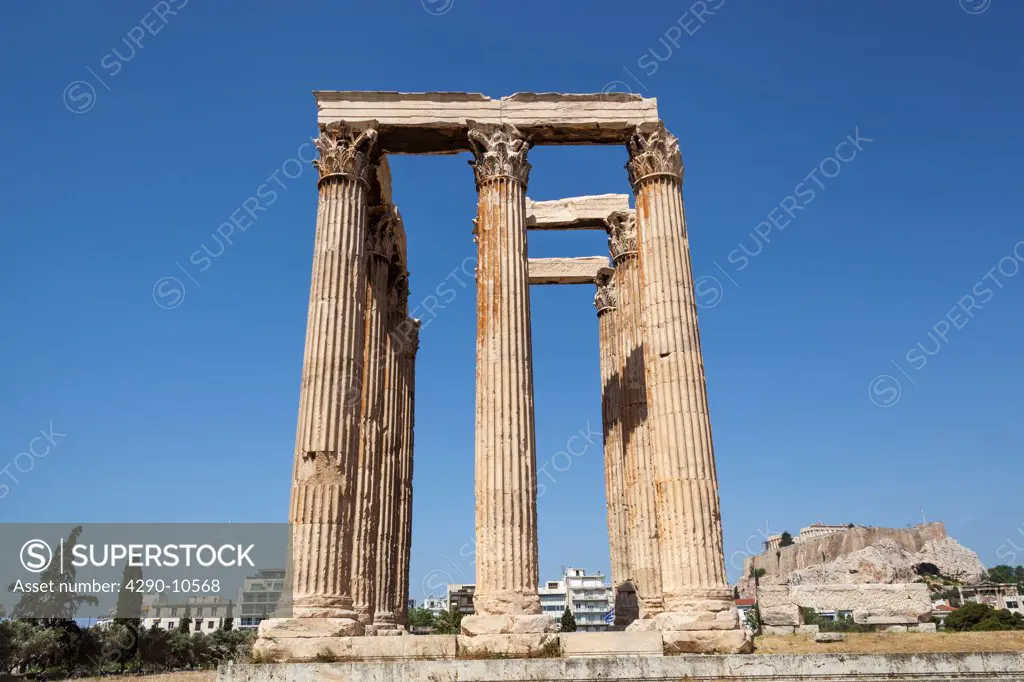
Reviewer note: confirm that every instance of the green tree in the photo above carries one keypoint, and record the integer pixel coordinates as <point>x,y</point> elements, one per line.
<point>186,621</point>
<point>8,646</point>
<point>568,621</point>
<point>179,650</point>
<point>58,605</point>
<point>1001,574</point>
<point>154,648</point>
<point>785,540</point>
<point>753,619</point>
<point>449,622</point>
<point>420,618</point>
<point>229,620</point>
<point>1000,619</point>
<point>967,616</point>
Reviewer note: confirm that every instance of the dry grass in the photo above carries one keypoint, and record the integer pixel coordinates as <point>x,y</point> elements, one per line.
<point>895,643</point>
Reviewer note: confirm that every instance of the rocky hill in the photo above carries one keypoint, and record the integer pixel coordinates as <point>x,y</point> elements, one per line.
<point>867,555</point>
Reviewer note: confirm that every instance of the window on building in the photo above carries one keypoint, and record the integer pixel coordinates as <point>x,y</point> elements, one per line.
<point>1011,604</point>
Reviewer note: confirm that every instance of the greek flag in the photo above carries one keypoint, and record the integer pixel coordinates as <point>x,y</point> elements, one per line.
<point>609,618</point>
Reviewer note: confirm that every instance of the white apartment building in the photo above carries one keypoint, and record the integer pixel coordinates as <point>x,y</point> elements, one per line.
<point>588,597</point>
<point>258,597</point>
<point>206,614</point>
<point>436,605</point>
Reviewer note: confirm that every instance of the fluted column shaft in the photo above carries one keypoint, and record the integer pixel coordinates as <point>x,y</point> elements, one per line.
<point>407,411</point>
<point>379,247</point>
<point>506,485</point>
<point>611,416</point>
<point>390,484</point>
<point>637,438</point>
<point>327,440</point>
<point>692,558</point>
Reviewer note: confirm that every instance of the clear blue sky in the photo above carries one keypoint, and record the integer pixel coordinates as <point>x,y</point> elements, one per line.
<point>188,414</point>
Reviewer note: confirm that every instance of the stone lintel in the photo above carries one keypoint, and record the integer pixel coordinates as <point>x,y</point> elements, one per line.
<point>437,122</point>
<point>567,270</point>
<point>575,213</point>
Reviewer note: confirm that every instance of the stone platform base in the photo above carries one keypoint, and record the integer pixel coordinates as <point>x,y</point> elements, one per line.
<point>278,644</point>
<point>509,625</point>
<point>977,667</point>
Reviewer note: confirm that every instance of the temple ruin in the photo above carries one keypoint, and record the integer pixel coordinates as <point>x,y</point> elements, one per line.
<point>351,501</point>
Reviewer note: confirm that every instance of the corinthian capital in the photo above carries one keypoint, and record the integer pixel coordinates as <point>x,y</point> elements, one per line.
<point>380,238</point>
<point>655,153</point>
<point>605,299</point>
<point>498,151</point>
<point>621,227</point>
<point>344,151</point>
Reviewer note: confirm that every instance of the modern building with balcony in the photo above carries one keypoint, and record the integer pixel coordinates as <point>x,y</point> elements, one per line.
<point>258,598</point>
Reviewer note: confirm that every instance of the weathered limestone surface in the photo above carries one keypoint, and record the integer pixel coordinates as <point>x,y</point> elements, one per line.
<point>506,489</point>
<point>327,443</point>
<point>511,646</point>
<point>300,649</point>
<point>384,616</point>
<point>976,667</point>
<point>576,213</point>
<point>696,591</point>
<point>638,461</point>
<point>871,604</point>
<point>584,644</point>
<point>567,270</point>
<point>379,251</point>
<point>611,416</point>
<point>410,343</point>
<point>439,122</point>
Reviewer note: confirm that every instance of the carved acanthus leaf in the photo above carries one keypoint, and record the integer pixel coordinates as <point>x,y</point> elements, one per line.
<point>344,151</point>
<point>621,227</point>
<point>655,153</point>
<point>605,298</point>
<point>498,151</point>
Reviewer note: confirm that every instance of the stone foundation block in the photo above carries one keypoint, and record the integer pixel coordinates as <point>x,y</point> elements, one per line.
<point>868,618</point>
<point>323,649</point>
<point>643,625</point>
<point>533,625</point>
<point>927,627</point>
<point>778,629</point>
<point>310,627</point>
<point>893,628</point>
<point>473,626</point>
<point>509,646</point>
<point>672,621</point>
<point>826,637</point>
<point>577,644</point>
<point>708,642</point>
<point>787,614</point>
<point>808,630</point>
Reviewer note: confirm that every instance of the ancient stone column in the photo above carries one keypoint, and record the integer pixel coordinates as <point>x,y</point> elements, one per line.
<point>614,457</point>
<point>380,244</point>
<point>506,481</point>
<point>328,441</point>
<point>698,603</point>
<point>407,412</point>
<point>390,485</point>
<point>638,469</point>
<point>611,405</point>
